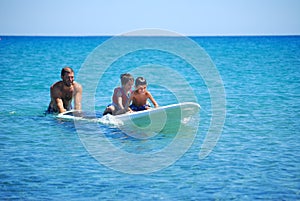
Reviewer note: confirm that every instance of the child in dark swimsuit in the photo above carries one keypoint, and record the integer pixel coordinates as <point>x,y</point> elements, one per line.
<point>140,96</point>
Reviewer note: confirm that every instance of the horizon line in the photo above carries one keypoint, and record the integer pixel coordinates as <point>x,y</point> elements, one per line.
<point>147,35</point>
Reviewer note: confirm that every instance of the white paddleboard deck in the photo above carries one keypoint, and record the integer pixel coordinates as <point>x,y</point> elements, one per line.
<point>188,108</point>
<point>154,120</point>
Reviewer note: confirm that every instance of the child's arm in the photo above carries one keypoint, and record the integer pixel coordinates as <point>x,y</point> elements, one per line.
<point>120,103</point>
<point>152,100</point>
<point>119,99</point>
<point>127,108</point>
<point>123,109</point>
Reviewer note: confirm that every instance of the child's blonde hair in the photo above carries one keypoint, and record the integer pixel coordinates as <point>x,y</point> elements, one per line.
<point>126,77</point>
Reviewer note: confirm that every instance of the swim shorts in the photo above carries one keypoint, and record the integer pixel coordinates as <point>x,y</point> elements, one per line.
<point>139,108</point>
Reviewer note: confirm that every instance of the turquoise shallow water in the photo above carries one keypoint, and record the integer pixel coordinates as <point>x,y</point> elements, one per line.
<point>256,157</point>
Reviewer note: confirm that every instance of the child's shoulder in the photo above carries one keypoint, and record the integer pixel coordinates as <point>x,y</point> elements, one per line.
<point>117,89</point>
<point>133,93</point>
<point>148,93</point>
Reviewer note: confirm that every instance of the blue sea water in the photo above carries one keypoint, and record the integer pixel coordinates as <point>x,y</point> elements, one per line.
<point>256,157</point>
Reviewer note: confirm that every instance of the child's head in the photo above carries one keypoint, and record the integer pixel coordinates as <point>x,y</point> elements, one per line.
<point>127,80</point>
<point>140,84</point>
<point>140,81</point>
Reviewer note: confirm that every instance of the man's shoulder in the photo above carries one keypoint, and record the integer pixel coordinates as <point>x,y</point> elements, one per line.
<point>57,84</point>
<point>76,84</point>
<point>77,87</point>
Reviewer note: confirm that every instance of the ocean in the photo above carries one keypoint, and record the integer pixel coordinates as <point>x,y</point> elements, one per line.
<point>256,150</point>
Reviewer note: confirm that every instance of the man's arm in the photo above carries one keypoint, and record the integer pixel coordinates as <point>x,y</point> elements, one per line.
<point>56,96</point>
<point>78,97</point>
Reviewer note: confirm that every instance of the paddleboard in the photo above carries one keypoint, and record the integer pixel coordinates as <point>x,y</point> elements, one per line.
<point>164,119</point>
<point>76,115</point>
<point>143,123</point>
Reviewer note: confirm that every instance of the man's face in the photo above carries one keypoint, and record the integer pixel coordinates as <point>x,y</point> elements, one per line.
<point>68,79</point>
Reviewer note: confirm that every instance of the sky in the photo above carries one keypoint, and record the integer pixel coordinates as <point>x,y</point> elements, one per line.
<point>114,17</point>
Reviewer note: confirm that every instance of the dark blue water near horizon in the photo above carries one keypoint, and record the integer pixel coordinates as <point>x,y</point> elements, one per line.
<point>256,157</point>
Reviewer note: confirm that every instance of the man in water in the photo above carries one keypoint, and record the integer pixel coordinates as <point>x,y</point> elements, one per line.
<point>63,92</point>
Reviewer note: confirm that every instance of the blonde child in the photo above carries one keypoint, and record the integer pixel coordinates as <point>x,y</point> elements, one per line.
<point>120,96</point>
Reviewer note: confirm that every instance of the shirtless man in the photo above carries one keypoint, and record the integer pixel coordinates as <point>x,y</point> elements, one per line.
<point>62,93</point>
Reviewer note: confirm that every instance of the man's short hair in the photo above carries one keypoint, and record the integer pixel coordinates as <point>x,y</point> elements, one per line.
<point>66,70</point>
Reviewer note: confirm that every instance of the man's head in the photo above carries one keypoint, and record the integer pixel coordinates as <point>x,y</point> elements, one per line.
<point>67,75</point>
